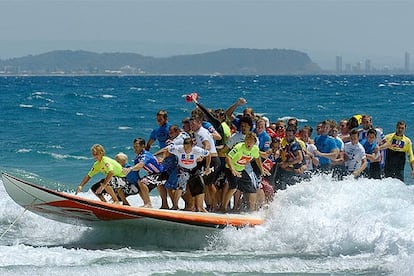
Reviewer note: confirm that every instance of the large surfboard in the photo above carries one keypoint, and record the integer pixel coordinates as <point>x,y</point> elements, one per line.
<point>73,209</point>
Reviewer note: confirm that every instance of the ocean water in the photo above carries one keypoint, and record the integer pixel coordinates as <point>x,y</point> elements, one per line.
<point>321,227</point>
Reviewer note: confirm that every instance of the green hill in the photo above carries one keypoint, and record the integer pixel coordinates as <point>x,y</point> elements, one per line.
<point>222,62</point>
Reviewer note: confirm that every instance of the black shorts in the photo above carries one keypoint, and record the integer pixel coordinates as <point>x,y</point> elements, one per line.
<point>196,185</point>
<point>374,170</point>
<point>243,183</point>
<point>97,185</point>
<point>215,168</point>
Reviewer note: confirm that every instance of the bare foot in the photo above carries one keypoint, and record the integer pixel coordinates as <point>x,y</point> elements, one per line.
<point>147,205</point>
<point>221,210</point>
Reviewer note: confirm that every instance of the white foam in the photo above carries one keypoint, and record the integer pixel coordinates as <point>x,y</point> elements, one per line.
<point>322,226</point>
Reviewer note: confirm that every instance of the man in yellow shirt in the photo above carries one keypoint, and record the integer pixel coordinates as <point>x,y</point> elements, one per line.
<point>236,161</point>
<point>398,146</point>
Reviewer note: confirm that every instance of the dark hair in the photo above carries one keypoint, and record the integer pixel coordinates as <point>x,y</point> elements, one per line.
<point>308,128</point>
<point>353,131</point>
<point>291,128</point>
<point>196,117</point>
<point>246,119</point>
<point>220,112</point>
<point>353,122</point>
<point>141,141</point>
<point>174,128</point>
<point>401,123</point>
<point>186,120</point>
<point>188,141</point>
<point>372,131</point>
<point>163,113</point>
<point>293,121</point>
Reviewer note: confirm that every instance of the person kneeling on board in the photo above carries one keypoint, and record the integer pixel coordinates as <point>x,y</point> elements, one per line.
<point>114,177</point>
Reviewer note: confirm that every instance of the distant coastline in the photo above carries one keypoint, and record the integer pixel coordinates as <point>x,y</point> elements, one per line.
<point>236,61</point>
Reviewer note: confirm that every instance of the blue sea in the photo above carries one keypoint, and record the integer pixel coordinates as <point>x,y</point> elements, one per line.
<point>321,227</point>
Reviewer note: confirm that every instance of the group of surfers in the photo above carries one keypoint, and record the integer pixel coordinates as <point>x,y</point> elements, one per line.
<point>215,156</point>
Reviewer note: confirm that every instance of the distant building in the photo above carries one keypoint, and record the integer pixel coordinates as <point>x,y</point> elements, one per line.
<point>357,68</point>
<point>348,68</point>
<point>368,67</point>
<point>407,62</point>
<point>339,64</point>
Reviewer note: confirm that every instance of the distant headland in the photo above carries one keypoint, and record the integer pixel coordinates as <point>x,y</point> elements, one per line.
<point>234,61</point>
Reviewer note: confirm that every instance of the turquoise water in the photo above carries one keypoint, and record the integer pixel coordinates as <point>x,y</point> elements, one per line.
<point>48,125</point>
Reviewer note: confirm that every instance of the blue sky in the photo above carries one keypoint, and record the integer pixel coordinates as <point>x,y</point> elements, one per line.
<point>379,30</point>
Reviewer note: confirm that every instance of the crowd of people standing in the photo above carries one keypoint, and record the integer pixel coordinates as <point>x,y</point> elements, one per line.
<point>218,161</point>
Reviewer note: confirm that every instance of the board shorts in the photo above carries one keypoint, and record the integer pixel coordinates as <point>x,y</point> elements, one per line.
<point>196,185</point>
<point>374,170</point>
<point>243,183</point>
<point>170,173</point>
<point>115,182</point>
<point>152,181</point>
<point>130,189</point>
<point>184,176</point>
<point>214,171</point>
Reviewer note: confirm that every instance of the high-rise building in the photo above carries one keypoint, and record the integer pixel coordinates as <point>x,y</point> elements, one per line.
<point>407,62</point>
<point>368,66</point>
<point>339,64</point>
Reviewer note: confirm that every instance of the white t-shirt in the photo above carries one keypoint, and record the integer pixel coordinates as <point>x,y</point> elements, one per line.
<point>202,135</point>
<point>354,155</point>
<point>187,160</point>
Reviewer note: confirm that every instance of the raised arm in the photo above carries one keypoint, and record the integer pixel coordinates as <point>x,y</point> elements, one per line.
<point>233,107</point>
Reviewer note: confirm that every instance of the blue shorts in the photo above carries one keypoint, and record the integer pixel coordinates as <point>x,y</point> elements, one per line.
<point>171,172</point>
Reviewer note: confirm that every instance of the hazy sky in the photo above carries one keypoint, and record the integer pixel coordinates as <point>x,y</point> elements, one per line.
<point>379,30</point>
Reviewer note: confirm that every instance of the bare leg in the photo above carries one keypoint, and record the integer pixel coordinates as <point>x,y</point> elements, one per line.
<point>237,197</point>
<point>101,197</point>
<point>111,192</point>
<point>252,201</point>
<point>223,194</point>
<point>261,198</point>
<point>175,197</point>
<point>163,194</point>
<point>226,200</point>
<point>121,194</point>
<point>212,192</point>
<point>144,193</point>
<point>199,203</point>
<point>189,201</point>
